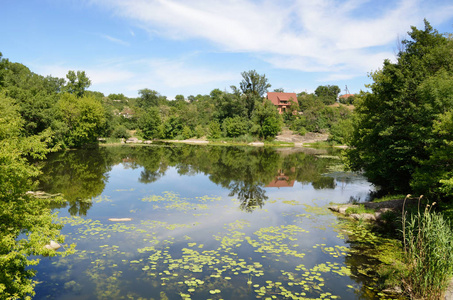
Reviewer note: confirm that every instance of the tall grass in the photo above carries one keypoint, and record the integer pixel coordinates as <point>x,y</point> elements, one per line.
<point>428,251</point>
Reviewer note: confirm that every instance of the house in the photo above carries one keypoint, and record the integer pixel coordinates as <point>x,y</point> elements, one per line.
<point>346,96</point>
<point>282,100</point>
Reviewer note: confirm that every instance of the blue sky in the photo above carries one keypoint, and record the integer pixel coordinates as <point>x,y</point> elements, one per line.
<point>191,47</point>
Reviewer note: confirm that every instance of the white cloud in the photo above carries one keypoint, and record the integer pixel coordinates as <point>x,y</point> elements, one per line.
<point>308,35</point>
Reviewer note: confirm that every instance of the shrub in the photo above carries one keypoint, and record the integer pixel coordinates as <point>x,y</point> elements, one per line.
<point>214,130</point>
<point>186,132</point>
<point>120,132</point>
<point>236,126</point>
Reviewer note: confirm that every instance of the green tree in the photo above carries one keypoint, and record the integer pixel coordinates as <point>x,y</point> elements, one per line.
<point>149,123</point>
<point>77,83</point>
<point>254,83</point>
<point>266,117</point>
<point>80,121</point>
<point>148,98</point>
<point>26,222</point>
<point>236,126</point>
<point>253,86</point>
<point>327,93</point>
<point>394,133</point>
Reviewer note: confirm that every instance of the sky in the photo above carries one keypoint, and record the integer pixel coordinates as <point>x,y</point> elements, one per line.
<point>190,47</point>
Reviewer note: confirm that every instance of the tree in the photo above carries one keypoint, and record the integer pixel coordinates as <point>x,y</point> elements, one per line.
<point>266,117</point>
<point>253,86</point>
<point>80,121</point>
<point>77,83</point>
<point>149,123</point>
<point>393,132</point>
<point>25,221</point>
<point>327,93</point>
<point>148,98</point>
<point>254,83</point>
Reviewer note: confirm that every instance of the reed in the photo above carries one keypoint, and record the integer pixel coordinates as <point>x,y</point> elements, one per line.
<point>428,252</point>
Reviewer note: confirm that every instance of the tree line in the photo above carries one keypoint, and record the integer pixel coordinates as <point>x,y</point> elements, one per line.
<point>74,116</point>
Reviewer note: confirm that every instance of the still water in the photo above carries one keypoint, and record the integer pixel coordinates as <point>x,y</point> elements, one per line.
<point>200,222</point>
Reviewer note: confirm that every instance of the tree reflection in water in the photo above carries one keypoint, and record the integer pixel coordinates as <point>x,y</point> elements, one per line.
<point>81,175</point>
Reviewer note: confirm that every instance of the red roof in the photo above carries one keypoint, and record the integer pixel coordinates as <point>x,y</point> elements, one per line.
<point>276,98</point>
<point>347,95</point>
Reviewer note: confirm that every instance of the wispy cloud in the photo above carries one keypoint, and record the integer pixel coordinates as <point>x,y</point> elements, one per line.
<point>114,40</point>
<point>310,35</point>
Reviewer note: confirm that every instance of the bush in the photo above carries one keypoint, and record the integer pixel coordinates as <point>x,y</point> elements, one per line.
<point>341,132</point>
<point>186,132</point>
<point>200,131</point>
<point>120,131</point>
<point>234,127</point>
<point>214,130</point>
<point>428,249</point>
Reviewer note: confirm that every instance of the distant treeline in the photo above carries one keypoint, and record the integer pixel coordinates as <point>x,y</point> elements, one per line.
<point>74,116</point>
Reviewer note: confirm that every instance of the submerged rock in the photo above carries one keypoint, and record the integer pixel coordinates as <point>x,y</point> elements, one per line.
<point>52,246</point>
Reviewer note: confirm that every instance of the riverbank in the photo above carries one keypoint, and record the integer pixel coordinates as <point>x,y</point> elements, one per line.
<point>376,227</point>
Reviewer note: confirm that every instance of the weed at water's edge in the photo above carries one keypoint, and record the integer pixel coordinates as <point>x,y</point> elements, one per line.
<point>428,253</point>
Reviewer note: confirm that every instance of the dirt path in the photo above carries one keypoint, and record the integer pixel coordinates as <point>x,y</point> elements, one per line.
<point>289,136</point>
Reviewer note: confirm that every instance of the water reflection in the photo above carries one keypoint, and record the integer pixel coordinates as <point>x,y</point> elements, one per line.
<point>181,222</point>
<point>246,172</point>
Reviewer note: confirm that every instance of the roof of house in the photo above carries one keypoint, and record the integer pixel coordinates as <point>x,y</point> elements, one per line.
<point>347,95</point>
<point>276,97</point>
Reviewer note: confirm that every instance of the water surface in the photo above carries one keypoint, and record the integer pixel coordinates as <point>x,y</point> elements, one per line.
<point>201,222</point>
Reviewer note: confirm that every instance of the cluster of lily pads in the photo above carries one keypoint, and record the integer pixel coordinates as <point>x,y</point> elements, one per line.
<point>179,266</point>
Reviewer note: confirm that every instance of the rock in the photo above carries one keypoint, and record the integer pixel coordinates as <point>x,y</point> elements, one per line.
<point>256,144</point>
<point>449,292</point>
<point>120,219</point>
<point>132,140</point>
<point>52,246</point>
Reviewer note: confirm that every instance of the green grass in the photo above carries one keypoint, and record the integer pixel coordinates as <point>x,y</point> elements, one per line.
<point>358,209</point>
<point>389,197</point>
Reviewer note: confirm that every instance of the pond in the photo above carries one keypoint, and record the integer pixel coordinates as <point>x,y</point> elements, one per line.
<point>200,222</point>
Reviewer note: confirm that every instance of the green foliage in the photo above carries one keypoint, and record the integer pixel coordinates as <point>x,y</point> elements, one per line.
<point>358,209</point>
<point>200,131</point>
<point>171,128</point>
<point>428,248</point>
<point>77,83</point>
<point>215,130</point>
<point>186,132</point>
<point>393,133</point>
<point>341,131</point>
<point>435,174</point>
<point>148,98</point>
<point>80,120</point>
<point>347,100</point>
<point>266,118</point>
<point>234,127</point>
<point>25,222</point>
<point>328,94</point>
<point>150,122</point>
<point>121,131</point>
<point>254,83</point>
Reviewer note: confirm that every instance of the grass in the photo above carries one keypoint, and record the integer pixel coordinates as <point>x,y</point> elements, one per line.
<point>428,253</point>
<point>358,209</point>
<point>388,198</point>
